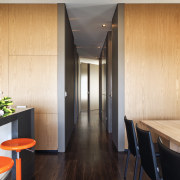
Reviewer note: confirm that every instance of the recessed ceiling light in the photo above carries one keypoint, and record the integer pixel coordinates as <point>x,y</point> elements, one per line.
<point>103,25</point>
<point>99,47</point>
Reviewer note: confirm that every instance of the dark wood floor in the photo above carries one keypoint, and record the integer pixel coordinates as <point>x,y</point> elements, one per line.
<point>90,156</point>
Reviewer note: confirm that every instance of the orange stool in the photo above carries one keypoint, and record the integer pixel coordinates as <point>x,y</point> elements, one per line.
<point>18,145</point>
<point>6,164</point>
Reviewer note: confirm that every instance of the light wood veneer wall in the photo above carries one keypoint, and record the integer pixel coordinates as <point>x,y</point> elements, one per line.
<point>152,61</point>
<point>28,65</point>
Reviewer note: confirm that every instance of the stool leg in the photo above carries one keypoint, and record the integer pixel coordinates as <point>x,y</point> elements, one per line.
<point>18,167</point>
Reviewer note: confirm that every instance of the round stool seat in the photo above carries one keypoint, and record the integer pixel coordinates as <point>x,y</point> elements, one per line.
<point>6,164</point>
<point>18,144</point>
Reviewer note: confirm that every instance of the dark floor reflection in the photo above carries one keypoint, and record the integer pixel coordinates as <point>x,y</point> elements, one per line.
<point>90,155</point>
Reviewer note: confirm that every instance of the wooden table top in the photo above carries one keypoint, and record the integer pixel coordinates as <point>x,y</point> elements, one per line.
<point>169,129</point>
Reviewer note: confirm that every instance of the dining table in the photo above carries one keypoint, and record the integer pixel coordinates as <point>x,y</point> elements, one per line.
<point>169,130</point>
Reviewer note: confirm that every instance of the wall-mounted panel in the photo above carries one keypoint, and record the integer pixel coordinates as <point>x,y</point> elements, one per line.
<point>4,49</point>
<point>32,29</point>
<point>33,82</point>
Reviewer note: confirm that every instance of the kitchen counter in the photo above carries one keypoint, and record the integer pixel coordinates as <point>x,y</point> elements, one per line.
<point>22,127</point>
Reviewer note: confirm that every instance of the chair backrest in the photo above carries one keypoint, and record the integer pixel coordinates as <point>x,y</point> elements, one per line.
<point>147,154</point>
<point>170,162</point>
<point>131,136</point>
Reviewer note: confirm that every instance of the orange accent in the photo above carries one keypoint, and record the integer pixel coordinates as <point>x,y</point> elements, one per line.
<point>18,144</point>
<point>18,169</point>
<point>6,164</point>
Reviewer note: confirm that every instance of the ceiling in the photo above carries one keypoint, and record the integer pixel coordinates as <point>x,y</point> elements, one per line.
<point>89,61</point>
<point>86,22</point>
<point>87,17</point>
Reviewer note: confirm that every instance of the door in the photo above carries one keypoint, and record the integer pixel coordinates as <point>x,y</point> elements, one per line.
<point>94,87</point>
<point>89,75</point>
<point>104,90</point>
<point>84,86</point>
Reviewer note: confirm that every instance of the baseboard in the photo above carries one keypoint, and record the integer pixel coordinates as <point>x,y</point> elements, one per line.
<point>46,151</point>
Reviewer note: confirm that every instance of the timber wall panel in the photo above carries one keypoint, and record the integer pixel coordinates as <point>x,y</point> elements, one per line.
<point>152,61</point>
<point>33,82</point>
<point>33,29</point>
<point>4,49</point>
<point>46,131</point>
<point>28,64</point>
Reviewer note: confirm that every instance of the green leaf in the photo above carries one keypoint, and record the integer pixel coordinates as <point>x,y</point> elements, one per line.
<point>7,98</point>
<point>2,102</point>
<point>9,104</point>
<point>7,114</point>
<point>13,110</point>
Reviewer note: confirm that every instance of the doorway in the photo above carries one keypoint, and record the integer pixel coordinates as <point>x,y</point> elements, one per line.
<point>89,86</point>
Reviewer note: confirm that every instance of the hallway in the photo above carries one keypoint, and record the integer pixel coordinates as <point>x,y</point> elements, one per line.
<point>90,155</point>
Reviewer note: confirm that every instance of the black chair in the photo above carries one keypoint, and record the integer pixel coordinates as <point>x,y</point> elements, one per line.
<point>132,146</point>
<point>147,154</point>
<point>170,162</point>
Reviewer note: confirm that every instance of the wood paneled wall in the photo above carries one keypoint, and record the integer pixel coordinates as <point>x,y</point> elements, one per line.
<point>152,61</point>
<point>28,70</point>
<point>33,29</point>
<point>4,17</point>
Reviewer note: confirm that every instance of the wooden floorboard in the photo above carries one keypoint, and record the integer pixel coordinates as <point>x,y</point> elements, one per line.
<point>90,155</point>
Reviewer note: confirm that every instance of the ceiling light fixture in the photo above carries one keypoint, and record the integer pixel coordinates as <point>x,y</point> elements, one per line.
<point>99,47</point>
<point>103,25</point>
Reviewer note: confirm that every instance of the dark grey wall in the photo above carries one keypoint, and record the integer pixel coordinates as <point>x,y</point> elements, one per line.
<point>76,76</point>
<point>69,79</point>
<point>121,78</point>
<point>115,78</point>
<point>66,79</point>
<point>106,100</point>
<point>118,67</point>
<point>61,78</point>
<point>100,87</point>
<point>104,110</point>
<point>102,84</point>
<point>109,81</point>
